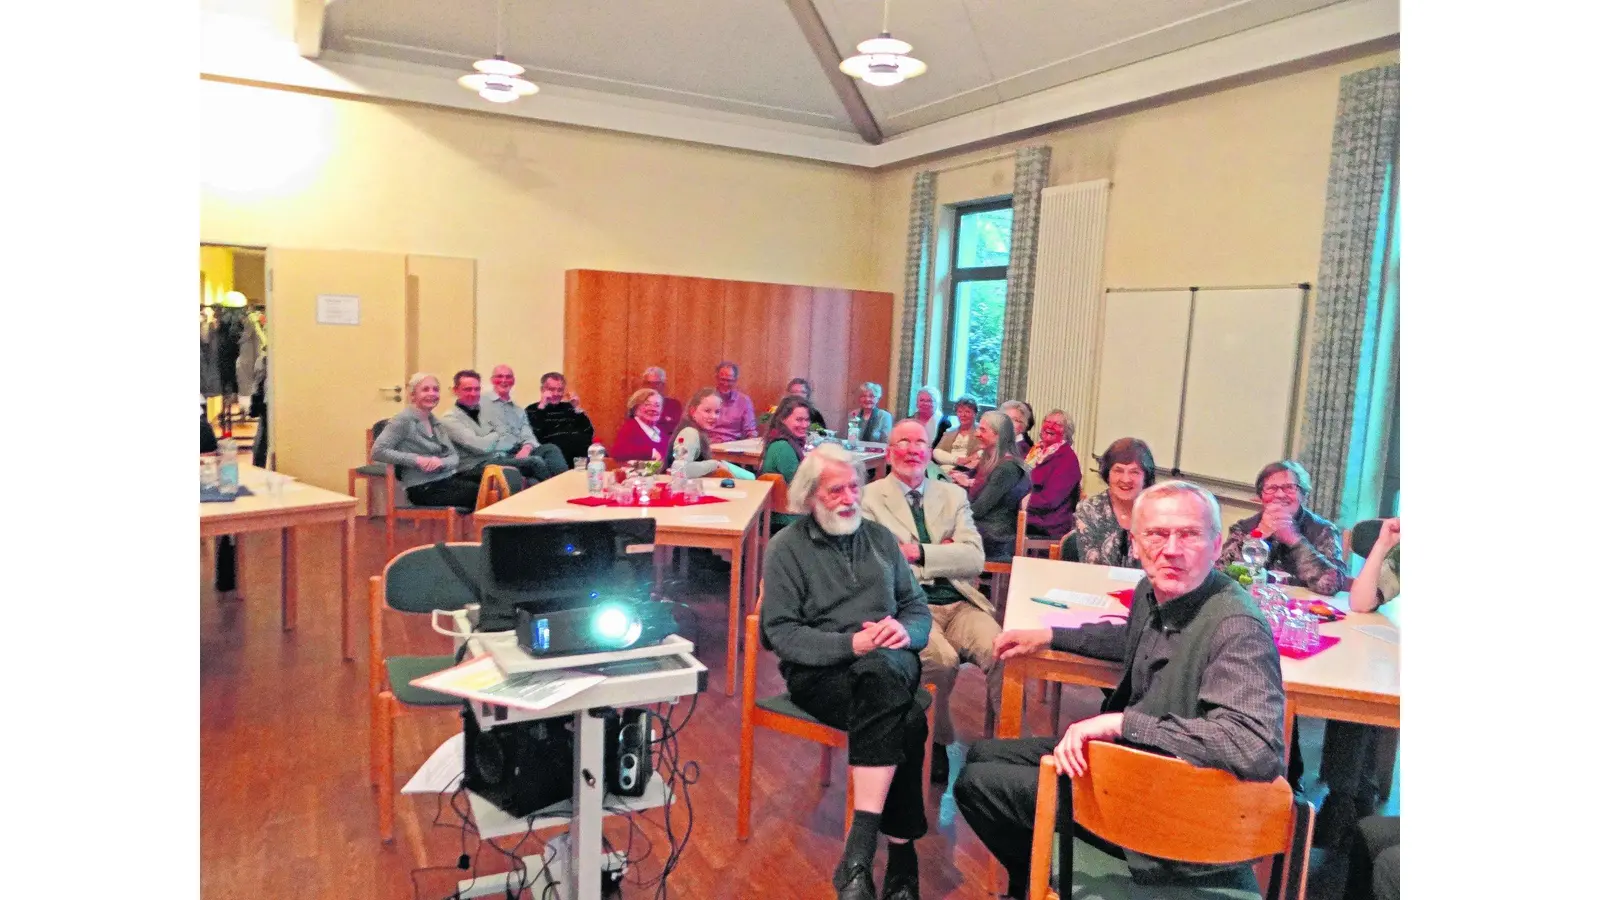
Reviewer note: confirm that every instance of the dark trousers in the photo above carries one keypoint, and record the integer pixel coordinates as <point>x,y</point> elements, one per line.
<point>1375,860</point>
<point>535,467</point>
<point>874,699</point>
<point>1350,762</point>
<point>458,490</point>
<point>997,794</point>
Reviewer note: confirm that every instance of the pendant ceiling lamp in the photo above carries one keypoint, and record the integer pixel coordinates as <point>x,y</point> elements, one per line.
<point>883,61</point>
<point>497,80</point>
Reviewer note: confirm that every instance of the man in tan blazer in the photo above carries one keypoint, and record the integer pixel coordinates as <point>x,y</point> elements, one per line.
<point>945,553</point>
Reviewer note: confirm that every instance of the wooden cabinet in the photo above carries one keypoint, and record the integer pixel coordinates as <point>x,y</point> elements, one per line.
<point>619,323</point>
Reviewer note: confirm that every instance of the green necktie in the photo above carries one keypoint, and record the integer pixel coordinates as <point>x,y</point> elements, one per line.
<point>915,499</point>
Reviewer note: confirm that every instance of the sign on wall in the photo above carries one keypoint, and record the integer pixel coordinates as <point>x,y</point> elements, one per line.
<point>338,309</point>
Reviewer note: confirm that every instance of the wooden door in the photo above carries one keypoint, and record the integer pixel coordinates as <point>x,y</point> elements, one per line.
<point>442,316</point>
<point>767,330</point>
<point>596,346</point>
<point>832,390</point>
<point>675,323</point>
<point>330,382</point>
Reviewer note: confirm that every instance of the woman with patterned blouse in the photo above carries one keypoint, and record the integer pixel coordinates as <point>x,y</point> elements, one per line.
<point>1101,522</point>
<point>1303,544</point>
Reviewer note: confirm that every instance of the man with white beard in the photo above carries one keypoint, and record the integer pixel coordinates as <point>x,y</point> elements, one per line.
<point>846,618</point>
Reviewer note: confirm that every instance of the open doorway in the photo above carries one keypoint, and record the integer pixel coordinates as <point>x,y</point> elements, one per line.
<point>233,346</point>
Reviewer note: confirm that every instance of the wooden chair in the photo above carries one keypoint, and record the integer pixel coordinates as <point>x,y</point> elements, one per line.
<point>779,713</point>
<point>780,491</point>
<point>417,581</point>
<point>499,482</point>
<point>1066,548</point>
<point>1166,808</point>
<point>372,473</point>
<point>1029,546</point>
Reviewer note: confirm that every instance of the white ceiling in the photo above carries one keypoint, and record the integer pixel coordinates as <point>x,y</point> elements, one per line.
<point>742,73</point>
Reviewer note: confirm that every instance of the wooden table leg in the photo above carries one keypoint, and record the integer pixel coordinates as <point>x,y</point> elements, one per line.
<point>238,565</point>
<point>347,567</point>
<point>1011,691</point>
<point>735,589</point>
<point>291,581</point>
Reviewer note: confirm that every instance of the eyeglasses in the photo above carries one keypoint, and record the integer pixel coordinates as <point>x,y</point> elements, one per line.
<point>1157,538</point>
<point>906,444</point>
<point>1290,489</point>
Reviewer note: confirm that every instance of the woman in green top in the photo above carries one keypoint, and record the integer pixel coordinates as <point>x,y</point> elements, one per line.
<point>997,486</point>
<point>785,445</point>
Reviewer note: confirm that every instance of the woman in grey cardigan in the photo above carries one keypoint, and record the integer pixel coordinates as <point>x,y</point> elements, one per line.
<point>997,486</point>
<point>426,461</point>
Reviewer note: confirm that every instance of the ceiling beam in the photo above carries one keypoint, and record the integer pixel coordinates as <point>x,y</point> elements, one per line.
<point>827,53</point>
<point>308,19</point>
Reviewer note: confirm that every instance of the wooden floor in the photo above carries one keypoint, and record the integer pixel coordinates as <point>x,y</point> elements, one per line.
<point>287,811</point>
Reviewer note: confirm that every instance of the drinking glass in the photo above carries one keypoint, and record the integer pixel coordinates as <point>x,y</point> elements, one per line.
<point>210,471</point>
<point>1294,631</point>
<point>692,490</point>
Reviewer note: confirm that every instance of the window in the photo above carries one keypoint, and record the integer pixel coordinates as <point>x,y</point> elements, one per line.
<point>982,248</point>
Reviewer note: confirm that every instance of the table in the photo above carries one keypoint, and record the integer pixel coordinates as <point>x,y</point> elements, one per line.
<point>1357,681</point>
<point>748,515</point>
<point>747,453</point>
<point>300,504</point>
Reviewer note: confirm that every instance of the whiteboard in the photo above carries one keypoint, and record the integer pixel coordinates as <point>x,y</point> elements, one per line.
<point>1143,335</point>
<point>1244,366</point>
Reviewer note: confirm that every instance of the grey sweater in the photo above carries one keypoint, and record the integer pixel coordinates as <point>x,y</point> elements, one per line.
<point>477,441</point>
<point>406,438</point>
<point>820,588</point>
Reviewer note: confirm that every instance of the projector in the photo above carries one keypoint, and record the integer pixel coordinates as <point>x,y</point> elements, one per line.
<point>609,625</point>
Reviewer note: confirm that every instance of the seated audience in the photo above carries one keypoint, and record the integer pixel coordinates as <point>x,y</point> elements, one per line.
<point>737,420</point>
<point>1350,751</point>
<point>693,435</point>
<point>932,520</point>
<point>927,414</point>
<point>996,487</point>
<point>873,422</point>
<point>1101,522</point>
<point>655,379</point>
<point>1021,415</point>
<point>1057,479</point>
<point>558,419</point>
<point>1304,545</point>
<point>785,445</point>
<point>958,449</point>
<point>415,443</point>
<point>640,436</point>
<point>1200,681</point>
<point>846,618</point>
<point>511,419</point>
<point>479,437</point>
<point>801,387</point>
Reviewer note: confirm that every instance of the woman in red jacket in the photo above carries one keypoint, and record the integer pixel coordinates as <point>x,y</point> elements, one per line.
<point>1057,478</point>
<point>641,436</point>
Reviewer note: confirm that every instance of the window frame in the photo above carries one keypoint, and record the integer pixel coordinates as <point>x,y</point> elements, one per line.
<point>956,317</point>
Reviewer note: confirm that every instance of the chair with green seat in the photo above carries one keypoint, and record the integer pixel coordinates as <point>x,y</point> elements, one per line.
<point>417,582</point>
<point>371,471</point>
<point>779,713</point>
<point>1163,808</point>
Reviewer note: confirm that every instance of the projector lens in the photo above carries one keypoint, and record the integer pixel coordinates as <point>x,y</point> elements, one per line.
<point>616,625</point>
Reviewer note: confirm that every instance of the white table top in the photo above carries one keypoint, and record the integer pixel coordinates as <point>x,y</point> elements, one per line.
<point>548,500</point>
<point>1362,665</point>
<point>297,497</point>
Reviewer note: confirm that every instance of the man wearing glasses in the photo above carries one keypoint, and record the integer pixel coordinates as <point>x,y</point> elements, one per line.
<point>1304,544</point>
<point>932,520</point>
<point>1200,681</point>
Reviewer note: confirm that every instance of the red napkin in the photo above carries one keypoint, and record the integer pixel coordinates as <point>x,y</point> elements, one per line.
<point>1124,596</point>
<point>1291,653</point>
<point>658,500</point>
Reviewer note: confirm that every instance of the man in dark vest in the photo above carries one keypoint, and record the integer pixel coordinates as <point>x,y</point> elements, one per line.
<point>1200,682</point>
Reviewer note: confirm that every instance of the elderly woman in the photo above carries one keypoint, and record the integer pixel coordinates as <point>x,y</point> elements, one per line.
<point>641,436</point>
<point>655,379</point>
<point>1056,476</point>
<point>958,449</point>
<point>1102,521</point>
<point>996,487</point>
<point>1021,416</point>
<point>875,423</point>
<point>801,387</point>
<point>416,444</point>
<point>1303,544</point>
<point>928,416</point>
<point>785,445</point>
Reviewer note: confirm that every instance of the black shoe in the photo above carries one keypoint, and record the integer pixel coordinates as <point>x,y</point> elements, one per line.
<point>857,883</point>
<point>900,887</point>
<point>1336,822</point>
<point>939,770</point>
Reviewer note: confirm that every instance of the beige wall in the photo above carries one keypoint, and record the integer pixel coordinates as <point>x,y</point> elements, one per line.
<point>526,200</point>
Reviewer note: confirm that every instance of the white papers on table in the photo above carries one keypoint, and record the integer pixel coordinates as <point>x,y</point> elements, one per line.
<point>480,679</point>
<point>1381,632</point>
<point>1131,576</point>
<point>1078,599</point>
<point>443,770</point>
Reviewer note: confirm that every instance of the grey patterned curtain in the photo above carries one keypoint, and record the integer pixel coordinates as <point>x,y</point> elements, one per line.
<point>1033,176</point>
<point>914,299</point>
<point>1354,368</point>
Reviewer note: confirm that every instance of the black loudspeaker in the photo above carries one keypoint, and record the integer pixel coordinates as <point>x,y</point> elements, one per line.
<point>520,768</point>
<point>628,762</point>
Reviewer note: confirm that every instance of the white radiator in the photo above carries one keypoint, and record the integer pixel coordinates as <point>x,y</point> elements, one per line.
<point>1068,280</point>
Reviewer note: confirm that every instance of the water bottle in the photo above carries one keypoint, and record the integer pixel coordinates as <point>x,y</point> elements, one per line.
<point>597,470</point>
<point>680,466</point>
<point>853,435</point>
<point>228,454</point>
<point>1254,555</point>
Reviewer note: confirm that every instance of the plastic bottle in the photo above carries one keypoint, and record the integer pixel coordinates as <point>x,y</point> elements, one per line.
<point>597,470</point>
<point>228,454</point>
<point>680,465</point>
<point>853,435</point>
<point>1254,555</point>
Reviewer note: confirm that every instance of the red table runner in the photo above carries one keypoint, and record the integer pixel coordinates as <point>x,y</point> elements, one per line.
<point>1291,653</point>
<point>657,500</point>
